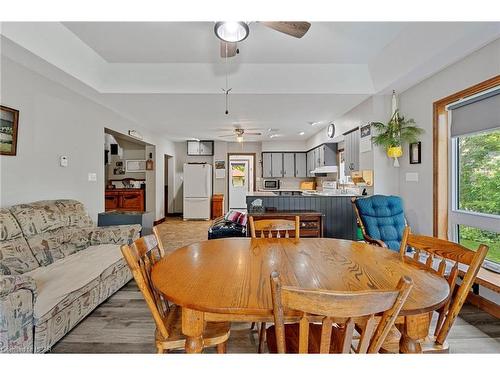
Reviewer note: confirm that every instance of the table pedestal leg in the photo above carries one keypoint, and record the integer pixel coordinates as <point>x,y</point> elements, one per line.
<point>413,331</point>
<point>192,326</point>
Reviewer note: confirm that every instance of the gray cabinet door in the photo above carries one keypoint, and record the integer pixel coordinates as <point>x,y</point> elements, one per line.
<point>355,150</point>
<point>310,163</point>
<point>193,148</point>
<point>277,164</point>
<point>351,152</point>
<point>300,165</point>
<point>266,165</point>
<point>288,164</point>
<point>321,155</point>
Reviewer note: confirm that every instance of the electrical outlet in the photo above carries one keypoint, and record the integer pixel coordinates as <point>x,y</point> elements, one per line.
<point>93,177</point>
<point>63,161</point>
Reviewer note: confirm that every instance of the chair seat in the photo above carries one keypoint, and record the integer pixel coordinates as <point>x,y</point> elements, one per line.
<point>292,338</point>
<point>215,332</point>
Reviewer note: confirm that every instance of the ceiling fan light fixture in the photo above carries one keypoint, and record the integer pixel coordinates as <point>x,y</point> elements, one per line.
<point>231,31</point>
<point>239,138</point>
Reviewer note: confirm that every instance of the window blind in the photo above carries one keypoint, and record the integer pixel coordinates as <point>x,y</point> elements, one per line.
<point>476,114</point>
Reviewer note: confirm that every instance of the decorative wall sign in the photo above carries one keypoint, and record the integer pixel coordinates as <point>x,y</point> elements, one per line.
<point>9,118</point>
<point>365,143</point>
<point>415,153</point>
<point>220,168</point>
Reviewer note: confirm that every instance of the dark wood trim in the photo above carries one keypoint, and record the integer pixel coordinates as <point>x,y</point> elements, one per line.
<point>484,304</point>
<point>254,156</point>
<point>351,131</point>
<point>173,214</point>
<point>440,147</point>
<point>15,124</point>
<point>158,222</point>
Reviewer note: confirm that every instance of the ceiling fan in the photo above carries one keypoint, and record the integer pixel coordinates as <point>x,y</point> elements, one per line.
<point>232,32</point>
<point>238,132</point>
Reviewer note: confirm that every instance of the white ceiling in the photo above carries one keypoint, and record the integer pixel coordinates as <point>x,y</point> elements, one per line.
<point>195,42</point>
<point>168,77</point>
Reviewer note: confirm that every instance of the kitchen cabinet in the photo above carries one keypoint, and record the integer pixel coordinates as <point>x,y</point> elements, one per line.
<point>310,163</point>
<point>276,164</point>
<point>288,164</point>
<point>266,165</point>
<point>351,151</point>
<point>300,164</point>
<point>124,199</point>
<point>196,148</point>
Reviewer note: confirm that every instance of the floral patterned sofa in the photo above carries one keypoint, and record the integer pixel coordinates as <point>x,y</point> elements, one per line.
<point>56,266</point>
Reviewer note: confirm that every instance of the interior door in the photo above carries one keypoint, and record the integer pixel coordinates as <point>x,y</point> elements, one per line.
<point>239,175</point>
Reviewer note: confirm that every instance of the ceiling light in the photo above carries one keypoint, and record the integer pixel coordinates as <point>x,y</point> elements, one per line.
<point>231,31</point>
<point>274,135</point>
<point>302,133</point>
<point>315,123</point>
<point>239,138</point>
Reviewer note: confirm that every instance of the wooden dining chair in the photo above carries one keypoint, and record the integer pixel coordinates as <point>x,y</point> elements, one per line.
<point>161,247</point>
<point>328,318</point>
<point>444,257</point>
<point>274,228</point>
<point>141,255</point>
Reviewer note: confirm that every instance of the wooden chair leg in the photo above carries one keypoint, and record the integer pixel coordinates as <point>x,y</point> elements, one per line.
<point>222,347</point>
<point>262,336</point>
<point>159,350</point>
<point>252,326</point>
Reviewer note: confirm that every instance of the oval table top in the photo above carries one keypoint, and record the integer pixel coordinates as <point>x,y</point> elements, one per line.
<point>231,276</point>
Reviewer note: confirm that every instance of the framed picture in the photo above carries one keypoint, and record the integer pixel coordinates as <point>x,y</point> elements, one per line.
<point>9,118</point>
<point>415,153</point>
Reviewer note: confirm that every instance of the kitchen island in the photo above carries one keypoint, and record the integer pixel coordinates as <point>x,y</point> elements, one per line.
<point>339,219</point>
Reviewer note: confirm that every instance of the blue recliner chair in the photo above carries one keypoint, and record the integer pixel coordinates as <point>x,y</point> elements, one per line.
<point>381,219</point>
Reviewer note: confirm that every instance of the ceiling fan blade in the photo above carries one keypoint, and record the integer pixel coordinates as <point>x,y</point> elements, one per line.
<point>227,135</point>
<point>228,48</point>
<point>247,133</point>
<point>295,29</point>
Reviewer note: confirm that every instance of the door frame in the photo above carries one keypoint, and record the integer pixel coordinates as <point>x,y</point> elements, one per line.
<point>229,154</point>
<point>441,145</point>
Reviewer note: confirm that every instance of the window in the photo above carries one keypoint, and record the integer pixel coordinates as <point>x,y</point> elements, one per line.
<point>478,157</point>
<point>475,215</point>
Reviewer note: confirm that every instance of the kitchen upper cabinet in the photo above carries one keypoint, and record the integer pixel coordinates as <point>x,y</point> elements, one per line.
<point>276,164</point>
<point>300,164</point>
<point>320,155</point>
<point>195,148</point>
<point>351,152</point>
<point>266,165</point>
<point>288,164</point>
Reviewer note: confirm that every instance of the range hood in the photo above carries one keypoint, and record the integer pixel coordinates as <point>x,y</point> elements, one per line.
<point>326,169</point>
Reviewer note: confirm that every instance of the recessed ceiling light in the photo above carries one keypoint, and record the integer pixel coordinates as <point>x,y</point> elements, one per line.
<point>230,31</point>
<point>302,133</point>
<point>274,135</point>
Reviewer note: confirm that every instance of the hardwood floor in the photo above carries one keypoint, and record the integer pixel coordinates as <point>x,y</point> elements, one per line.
<point>123,323</point>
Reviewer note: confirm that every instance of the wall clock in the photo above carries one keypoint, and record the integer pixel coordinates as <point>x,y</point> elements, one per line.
<point>331,130</point>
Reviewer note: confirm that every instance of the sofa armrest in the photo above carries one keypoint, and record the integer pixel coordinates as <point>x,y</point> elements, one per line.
<point>17,297</point>
<point>12,283</point>
<point>116,234</point>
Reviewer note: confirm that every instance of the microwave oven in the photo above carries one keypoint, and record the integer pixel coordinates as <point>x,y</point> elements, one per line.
<point>271,184</point>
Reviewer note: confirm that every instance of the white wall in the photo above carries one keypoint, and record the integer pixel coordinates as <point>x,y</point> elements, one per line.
<point>55,121</point>
<point>417,103</point>
<point>278,145</point>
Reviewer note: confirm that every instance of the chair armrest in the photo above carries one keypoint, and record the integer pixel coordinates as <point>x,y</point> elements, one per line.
<point>17,298</point>
<point>116,234</point>
<point>12,283</point>
<point>373,241</point>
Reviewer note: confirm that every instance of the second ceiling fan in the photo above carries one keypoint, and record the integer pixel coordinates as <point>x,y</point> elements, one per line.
<point>232,32</point>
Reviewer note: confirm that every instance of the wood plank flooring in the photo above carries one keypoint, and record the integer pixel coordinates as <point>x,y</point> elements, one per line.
<point>123,323</point>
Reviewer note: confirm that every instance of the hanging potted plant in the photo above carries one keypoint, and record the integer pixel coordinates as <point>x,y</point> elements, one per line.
<point>397,131</point>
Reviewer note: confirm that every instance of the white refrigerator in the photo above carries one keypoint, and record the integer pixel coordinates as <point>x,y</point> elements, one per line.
<point>197,191</point>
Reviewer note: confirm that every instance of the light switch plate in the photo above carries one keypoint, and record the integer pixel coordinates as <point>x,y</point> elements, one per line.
<point>92,177</point>
<point>412,176</point>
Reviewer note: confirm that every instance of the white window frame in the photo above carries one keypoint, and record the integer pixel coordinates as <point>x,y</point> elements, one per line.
<point>458,217</point>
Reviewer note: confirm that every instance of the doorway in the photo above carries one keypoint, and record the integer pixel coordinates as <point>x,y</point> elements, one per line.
<point>241,179</point>
<point>168,180</point>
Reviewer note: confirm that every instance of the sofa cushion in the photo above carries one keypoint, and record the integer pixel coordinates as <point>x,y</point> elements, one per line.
<point>74,213</point>
<point>38,217</point>
<point>383,218</point>
<point>9,227</point>
<point>237,217</point>
<point>60,283</point>
<point>59,243</point>
<point>16,257</point>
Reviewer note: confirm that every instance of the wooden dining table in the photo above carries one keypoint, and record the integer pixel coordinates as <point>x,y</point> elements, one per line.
<point>228,280</point>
